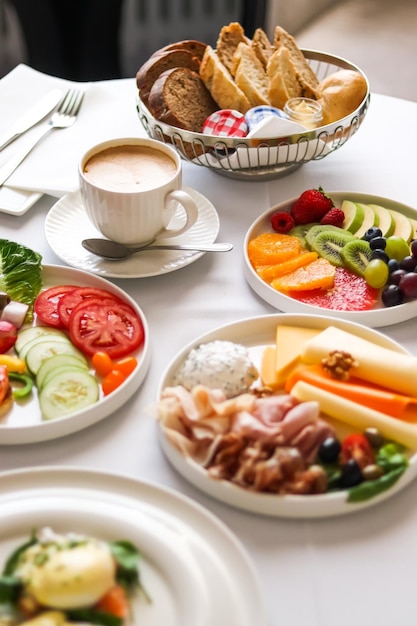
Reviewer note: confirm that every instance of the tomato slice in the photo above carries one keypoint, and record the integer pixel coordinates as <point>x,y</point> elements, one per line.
<point>357,447</point>
<point>71,299</point>
<point>105,325</point>
<point>46,304</point>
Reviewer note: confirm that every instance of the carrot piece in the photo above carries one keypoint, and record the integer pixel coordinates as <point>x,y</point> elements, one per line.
<point>370,395</point>
<point>114,602</point>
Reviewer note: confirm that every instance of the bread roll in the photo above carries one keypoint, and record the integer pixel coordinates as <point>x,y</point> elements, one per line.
<point>340,94</point>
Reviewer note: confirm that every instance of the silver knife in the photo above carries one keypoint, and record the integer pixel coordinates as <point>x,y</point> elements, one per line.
<point>32,117</point>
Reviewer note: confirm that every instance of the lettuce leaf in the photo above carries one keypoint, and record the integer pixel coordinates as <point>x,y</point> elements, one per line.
<point>20,272</point>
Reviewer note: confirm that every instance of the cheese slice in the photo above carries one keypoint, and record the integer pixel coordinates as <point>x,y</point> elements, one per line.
<point>290,342</point>
<point>382,366</point>
<point>356,415</point>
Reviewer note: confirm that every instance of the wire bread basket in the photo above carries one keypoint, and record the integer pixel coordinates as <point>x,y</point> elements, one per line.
<point>263,159</point>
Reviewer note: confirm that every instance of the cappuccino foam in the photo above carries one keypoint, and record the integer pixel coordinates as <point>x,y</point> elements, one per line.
<point>129,168</point>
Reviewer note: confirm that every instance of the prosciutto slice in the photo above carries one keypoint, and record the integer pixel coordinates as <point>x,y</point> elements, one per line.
<point>260,443</point>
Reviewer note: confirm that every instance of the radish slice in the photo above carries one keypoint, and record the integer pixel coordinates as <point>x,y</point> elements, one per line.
<point>15,313</point>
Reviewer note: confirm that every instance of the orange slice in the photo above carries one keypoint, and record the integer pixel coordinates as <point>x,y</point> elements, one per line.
<point>272,248</point>
<point>269,272</point>
<point>316,275</point>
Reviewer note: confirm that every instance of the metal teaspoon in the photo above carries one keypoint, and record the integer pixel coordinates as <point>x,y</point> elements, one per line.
<point>116,251</point>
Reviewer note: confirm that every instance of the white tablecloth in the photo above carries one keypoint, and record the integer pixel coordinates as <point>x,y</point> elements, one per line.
<point>356,569</point>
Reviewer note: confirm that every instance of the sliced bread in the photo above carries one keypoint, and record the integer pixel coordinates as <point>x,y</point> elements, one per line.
<point>305,75</point>
<point>262,46</point>
<point>220,83</point>
<point>283,81</point>
<point>250,75</point>
<point>179,97</point>
<point>156,65</point>
<point>227,42</point>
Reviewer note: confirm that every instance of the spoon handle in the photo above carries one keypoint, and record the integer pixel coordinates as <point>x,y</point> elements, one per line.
<point>214,247</point>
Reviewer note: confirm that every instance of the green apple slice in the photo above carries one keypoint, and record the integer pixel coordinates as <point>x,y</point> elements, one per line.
<point>369,219</point>
<point>386,221</point>
<point>403,227</point>
<point>354,216</point>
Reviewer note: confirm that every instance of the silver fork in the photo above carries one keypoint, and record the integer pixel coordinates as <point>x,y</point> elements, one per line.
<point>64,116</point>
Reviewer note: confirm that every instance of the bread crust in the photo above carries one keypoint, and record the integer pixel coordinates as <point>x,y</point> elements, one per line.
<point>191,45</point>
<point>262,46</point>
<point>159,63</point>
<point>340,94</point>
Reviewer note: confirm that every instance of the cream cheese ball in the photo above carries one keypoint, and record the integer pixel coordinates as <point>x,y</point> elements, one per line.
<point>67,572</point>
<point>218,365</point>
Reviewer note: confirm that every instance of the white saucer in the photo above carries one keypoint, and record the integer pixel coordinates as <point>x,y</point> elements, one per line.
<point>67,224</point>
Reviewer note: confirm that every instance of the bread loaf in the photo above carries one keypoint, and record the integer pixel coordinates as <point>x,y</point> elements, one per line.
<point>340,94</point>
<point>179,97</point>
<point>250,75</point>
<point>159,63</point>
<point>220,83</point>
<point>191,45</point>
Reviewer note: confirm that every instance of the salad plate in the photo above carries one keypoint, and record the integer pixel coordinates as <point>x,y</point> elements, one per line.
<point>255,334</point>
<point>375,317</point>
<point>194,570</point>
<point>23,423</point>
<point>67,224</point>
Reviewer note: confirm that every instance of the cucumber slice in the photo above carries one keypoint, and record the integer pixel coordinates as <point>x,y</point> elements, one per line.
<point>45,349</point>
<point>33,342</point>
<point>59,370</point>
<point>27,334</point>
<point>67,392</point>
<point>48,366</point>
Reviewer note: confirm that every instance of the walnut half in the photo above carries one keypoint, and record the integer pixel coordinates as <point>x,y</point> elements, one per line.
<point>338,364</point>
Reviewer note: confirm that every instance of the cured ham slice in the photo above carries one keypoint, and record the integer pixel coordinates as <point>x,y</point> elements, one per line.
<point>260,443</point>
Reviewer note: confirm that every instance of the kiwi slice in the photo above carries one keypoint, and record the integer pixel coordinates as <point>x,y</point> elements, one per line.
<point>356,255</point>
<point>316,229</point>
<point>329,244</point>
<point>300,231</point>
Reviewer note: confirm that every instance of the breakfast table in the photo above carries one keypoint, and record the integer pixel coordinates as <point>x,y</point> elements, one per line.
<point>354,568</point>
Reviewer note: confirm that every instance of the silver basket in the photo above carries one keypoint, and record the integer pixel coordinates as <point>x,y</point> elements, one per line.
<point>263,159</point>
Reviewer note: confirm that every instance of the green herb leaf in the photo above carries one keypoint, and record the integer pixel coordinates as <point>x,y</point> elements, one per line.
<point>20,272</point>
<point>12,561</point>
<point>94,617</point>
<point>10,588</point>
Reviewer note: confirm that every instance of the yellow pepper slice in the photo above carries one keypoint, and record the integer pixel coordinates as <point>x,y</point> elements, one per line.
<point>13,363</point>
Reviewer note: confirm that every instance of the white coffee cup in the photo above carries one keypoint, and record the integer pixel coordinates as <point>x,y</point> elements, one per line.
<point>130,189</point>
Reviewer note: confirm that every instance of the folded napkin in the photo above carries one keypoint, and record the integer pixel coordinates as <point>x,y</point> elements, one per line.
<point>108,110</point>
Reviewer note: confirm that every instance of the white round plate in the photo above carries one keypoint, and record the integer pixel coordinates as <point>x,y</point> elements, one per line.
<point>255,333</point>
<point>67,224</point>
<point>376,317</point>
<point>193,568</point>
<point>23,424</point>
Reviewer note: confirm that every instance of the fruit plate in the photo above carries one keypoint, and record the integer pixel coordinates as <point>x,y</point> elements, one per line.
<point>188,556</point>
<point>375,317</point>
<point>255,333</point>
<point>23,423</point>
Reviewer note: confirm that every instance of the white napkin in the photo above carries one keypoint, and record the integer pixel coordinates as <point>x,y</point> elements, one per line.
<point>108,110</point>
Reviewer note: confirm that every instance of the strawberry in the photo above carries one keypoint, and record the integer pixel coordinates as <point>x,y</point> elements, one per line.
<point>282,222</point>
<point>334,217</point>
<point>311,206</point>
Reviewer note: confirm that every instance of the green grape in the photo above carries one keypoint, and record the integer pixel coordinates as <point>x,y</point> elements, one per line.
<point>396,247</point>
<point>376,273</point>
